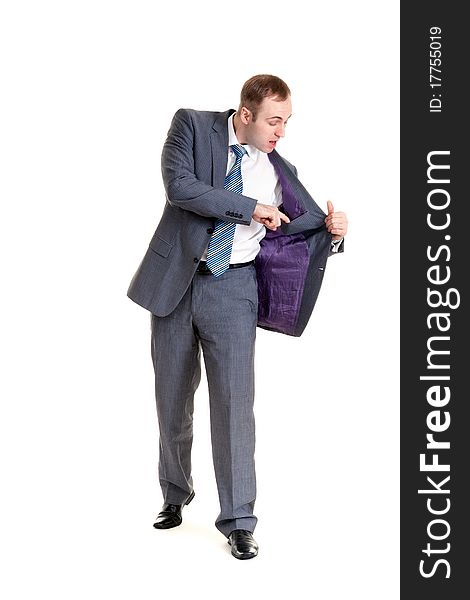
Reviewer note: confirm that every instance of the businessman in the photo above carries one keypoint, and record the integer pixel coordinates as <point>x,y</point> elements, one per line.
<point>240,244</point>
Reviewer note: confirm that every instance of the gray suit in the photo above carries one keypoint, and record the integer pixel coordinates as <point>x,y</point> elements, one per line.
<point>192,310</point>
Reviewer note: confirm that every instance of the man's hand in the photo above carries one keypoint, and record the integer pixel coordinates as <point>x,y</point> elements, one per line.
<point>336,222</point>
<point>269,216</point>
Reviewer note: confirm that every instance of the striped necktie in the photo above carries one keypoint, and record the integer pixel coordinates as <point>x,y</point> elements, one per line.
<point>221,242</point>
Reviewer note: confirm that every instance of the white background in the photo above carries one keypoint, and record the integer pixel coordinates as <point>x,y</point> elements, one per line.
<point>88,92</point>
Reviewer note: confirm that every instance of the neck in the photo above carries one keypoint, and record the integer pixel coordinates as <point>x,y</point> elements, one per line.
<point>238,128</point>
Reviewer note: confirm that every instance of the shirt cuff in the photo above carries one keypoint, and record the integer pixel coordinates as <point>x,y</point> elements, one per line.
<point>335,244</point>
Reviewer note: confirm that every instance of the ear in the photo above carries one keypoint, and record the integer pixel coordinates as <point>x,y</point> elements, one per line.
<point>245,115</point>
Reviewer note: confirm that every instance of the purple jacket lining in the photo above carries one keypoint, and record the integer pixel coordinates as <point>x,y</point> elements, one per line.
<point>281,267</point>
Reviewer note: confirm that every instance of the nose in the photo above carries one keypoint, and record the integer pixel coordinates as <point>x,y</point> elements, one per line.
<point>281,130</point>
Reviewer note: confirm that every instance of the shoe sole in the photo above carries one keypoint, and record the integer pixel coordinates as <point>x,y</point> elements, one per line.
<point>245,557</point>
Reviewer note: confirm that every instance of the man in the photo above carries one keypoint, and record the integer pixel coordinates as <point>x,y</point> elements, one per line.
<point>230,199</point>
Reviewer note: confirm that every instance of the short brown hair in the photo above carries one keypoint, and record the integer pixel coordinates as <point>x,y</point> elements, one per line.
<point>259,87</point>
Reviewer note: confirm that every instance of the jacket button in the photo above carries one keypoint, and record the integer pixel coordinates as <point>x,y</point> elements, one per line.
<point>241,216</point>
<point>210,230</point>
<point>196,260</point>
<point>227,212</point>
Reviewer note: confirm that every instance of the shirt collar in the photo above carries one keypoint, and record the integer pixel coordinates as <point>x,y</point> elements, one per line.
<point>232,139</point>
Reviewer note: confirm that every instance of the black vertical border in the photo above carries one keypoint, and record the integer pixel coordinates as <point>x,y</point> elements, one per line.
<point>423,132</point>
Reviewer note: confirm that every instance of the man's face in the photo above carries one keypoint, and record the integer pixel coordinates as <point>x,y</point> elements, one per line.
<point>270,123</point>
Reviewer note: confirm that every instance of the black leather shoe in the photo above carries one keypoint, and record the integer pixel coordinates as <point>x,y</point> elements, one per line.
<point>170,515</point>
<point>243,544</point>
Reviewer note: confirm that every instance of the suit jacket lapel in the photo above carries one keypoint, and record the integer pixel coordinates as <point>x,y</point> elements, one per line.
<point>295,197</point>
<point>219,148</point>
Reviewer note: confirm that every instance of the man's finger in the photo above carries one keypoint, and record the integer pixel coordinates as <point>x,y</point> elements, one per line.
<point>331,208</point>
<point>284,217</point>
<point>268,223</point>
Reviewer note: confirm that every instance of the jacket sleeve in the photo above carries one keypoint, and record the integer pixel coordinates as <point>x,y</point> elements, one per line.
<point>182,187</point>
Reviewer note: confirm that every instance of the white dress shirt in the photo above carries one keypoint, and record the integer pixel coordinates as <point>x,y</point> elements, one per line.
<point>260,182</point>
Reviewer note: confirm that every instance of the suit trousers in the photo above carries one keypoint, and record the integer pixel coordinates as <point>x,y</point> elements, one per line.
<point>219,316</point>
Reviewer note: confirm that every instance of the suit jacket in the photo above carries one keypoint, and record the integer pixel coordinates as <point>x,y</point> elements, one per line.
<point>292,260</point>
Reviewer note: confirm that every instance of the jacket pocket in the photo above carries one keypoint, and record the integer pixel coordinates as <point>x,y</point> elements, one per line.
<point>160,246</point>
